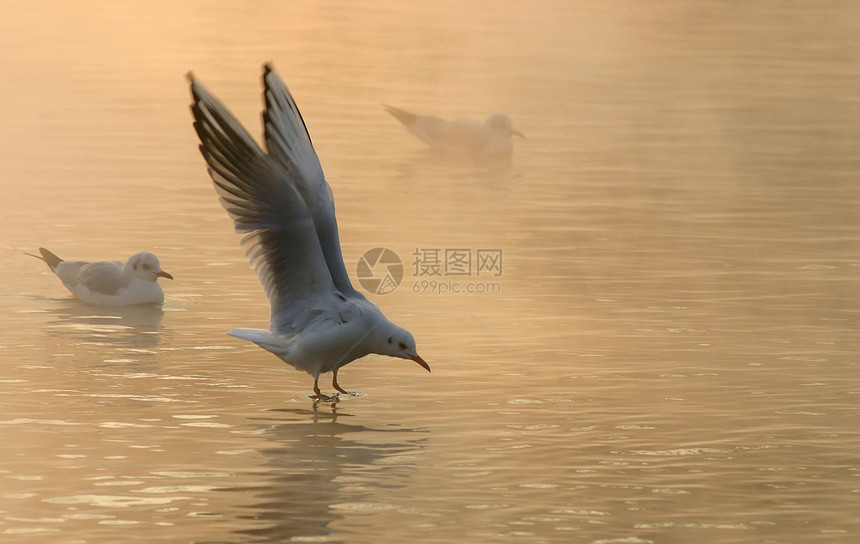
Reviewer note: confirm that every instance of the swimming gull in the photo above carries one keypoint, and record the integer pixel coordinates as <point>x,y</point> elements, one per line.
<point>492,137</point>
<point>110,283</point>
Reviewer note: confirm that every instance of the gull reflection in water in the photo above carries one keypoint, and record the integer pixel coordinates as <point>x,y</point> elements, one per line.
<point>84,328</point>
<point>320,463</point>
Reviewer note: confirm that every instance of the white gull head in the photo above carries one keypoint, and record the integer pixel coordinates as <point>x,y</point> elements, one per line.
<point>144,266</point>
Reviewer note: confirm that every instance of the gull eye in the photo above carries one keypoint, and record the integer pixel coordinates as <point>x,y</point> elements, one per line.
<point>402,345</point>
<point>146,267</point>
<point>390,339</point>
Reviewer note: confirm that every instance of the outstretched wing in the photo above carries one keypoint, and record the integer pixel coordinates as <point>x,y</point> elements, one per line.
<point>260,196</point>
<point>288,143</point>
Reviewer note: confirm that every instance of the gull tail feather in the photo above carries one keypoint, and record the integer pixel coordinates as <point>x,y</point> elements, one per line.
<point>258,336</point>
<point>403,116</point>
<point>264,339</point>
<point>50,259</point>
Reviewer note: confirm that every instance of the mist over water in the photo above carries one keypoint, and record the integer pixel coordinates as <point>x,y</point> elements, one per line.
<point>642,325</point>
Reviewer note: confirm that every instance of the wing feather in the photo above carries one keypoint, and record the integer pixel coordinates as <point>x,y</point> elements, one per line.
<point>103,277</point>
<point>289,143</point>
<point>260,196</point>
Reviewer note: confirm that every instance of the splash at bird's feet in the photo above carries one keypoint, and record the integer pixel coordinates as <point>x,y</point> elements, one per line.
<point>334,397</point>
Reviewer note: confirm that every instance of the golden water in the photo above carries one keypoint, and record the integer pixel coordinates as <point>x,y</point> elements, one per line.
<point>669,352</point>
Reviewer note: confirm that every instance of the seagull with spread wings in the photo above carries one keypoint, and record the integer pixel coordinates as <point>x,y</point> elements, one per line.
<point>279,199</point>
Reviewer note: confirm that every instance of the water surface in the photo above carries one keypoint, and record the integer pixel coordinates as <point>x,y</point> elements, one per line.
<point>666,352</point>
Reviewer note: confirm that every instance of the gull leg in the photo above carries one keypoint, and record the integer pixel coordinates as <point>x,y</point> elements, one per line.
<point>318,394</point>
<point>334,382</point>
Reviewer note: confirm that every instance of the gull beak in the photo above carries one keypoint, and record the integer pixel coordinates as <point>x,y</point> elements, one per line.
<point>518,133</point>
<point>420,361</point>
<point>163,274</point>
